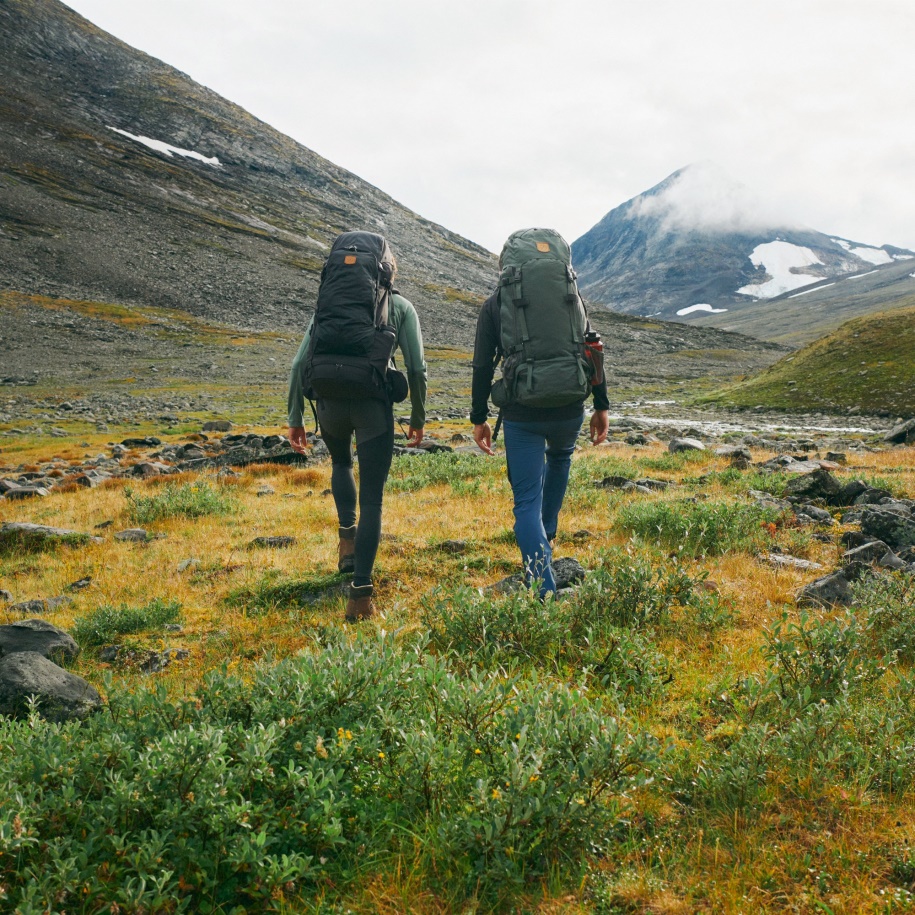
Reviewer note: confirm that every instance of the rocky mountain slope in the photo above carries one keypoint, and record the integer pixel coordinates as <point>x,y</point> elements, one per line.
<point>699,244</point>
<point>865,366</point>
<point>122,180</point>
<point>796,318</point>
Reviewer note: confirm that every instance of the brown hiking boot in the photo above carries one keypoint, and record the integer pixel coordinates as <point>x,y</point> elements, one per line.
<point>359,605</point>
<point>346,550</point>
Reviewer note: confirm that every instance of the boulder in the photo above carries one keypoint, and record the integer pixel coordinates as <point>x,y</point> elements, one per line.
<point>895,529</point>
<point>814,513</point>
<point>828,591</point>
<point>217,425</point>
<point>901,434</point>
<point>820,484</point>
<point>61,695</point>
<point>31,533</point>
<point>685,444</point>
<point>38,636</point>
<point>868,552</point>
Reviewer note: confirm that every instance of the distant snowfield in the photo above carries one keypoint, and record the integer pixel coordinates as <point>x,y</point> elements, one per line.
<point>690,309</point>
<point>875,256</point>
<point>778,258</point>
<point>858,277</point>
<point>808,291</point>
<point>168,149</point>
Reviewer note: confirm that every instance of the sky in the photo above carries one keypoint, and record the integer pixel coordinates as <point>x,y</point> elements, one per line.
<point>487,116</point>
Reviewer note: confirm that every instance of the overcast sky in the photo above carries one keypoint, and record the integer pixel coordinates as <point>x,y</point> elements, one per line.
<point>491,115</point>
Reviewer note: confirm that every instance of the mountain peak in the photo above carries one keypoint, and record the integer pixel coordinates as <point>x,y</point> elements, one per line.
<point>703,197</point>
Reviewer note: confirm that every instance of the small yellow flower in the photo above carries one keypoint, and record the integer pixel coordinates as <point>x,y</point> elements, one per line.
<point>496,794</point>
<point>534,778</point>
<point>478,751</point>
<point>380,755</point>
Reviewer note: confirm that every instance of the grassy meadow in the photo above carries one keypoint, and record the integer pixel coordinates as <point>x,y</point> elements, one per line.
<point>677,736</point>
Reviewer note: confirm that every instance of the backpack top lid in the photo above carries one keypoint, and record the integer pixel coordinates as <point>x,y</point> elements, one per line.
<point>534,244</point>
<point>369,243</point>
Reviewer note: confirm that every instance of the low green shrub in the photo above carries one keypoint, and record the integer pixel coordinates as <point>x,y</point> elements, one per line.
<point>316,769</point>
<point>887,602</point>
<point>698,528</point>
<point>100,626</point>
<point>15,544</point>
<point>184,500</point>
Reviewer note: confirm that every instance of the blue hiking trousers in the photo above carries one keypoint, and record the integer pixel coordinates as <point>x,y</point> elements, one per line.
<point>539,456</point>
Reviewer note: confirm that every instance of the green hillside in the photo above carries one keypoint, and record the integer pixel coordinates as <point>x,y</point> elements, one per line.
<point>868,364</point>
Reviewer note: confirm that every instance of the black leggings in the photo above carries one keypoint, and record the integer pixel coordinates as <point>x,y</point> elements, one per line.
<point>372,421</point>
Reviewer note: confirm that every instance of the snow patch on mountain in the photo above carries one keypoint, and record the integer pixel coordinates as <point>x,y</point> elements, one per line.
<point>780,259</point>
<point>808,291</point>
<point>875,256</point>
<point>168,149</point>
<point>691,308</point>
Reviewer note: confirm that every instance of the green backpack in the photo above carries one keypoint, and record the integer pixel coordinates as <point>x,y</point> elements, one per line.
<point>543,324</point>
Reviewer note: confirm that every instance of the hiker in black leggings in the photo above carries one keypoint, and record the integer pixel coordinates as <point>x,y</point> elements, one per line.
<point>372,423</point>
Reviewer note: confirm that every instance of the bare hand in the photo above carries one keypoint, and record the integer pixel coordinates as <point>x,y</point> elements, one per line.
<point>600,426</point>
<point>482,435</point>
<point>297,439</point>
<point>414,437</point>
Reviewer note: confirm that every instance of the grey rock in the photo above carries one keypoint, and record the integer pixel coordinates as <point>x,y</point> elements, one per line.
<point>266,490</point>
<point>40,605</point>
<point>27,492</point>
<point>814,513</point>
<point>217,425</point>
<point>685,444</point>
<point>133,535</point>
<point>902,433</point>
<point>837,457</point>
<point>896,530</point>
<point>867,552</point>
<point>782,561</point>
<point>81,583</point>
<point>5,597</point>
<point>734,452</point>
<point>61,695</point>
<point>275,543</point>
<point>890,560</point>
<point>828,591</point>
<point>186,564</point>
<point>567,572</point>
<point>820,484</point>
<point>38,636</point>
<point>30,531</point>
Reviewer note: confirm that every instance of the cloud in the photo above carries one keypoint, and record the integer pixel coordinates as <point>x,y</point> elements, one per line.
<point>704,197</point>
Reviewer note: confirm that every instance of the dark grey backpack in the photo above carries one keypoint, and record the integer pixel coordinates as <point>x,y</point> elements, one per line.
<point>351,340</point>
<point>543,324</point>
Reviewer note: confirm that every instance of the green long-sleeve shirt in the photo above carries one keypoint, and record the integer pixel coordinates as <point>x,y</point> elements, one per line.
<point>402,316</point>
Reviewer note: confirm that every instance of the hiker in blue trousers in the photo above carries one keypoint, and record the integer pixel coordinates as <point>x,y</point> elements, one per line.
<point>535,323</point>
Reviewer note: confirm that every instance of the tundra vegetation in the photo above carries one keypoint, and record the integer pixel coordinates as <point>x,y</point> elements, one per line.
<point>677,735</point>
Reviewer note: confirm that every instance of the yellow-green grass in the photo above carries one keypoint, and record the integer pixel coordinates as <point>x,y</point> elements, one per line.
<point>865,365</point>
<point>801,846</point>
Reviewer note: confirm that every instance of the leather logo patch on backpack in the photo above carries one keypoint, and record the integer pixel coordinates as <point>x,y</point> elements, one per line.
<point>543,247</point>
<point>349,259</point>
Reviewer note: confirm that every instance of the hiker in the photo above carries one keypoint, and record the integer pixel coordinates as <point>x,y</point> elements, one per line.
<point>536,323</point>
<point>345,364</point>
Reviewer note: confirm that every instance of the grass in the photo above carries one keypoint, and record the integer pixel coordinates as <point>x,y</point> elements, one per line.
<point>675,737</point>
<point>866,364</point>
<point>105,623</point>
<point>184,500</point>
